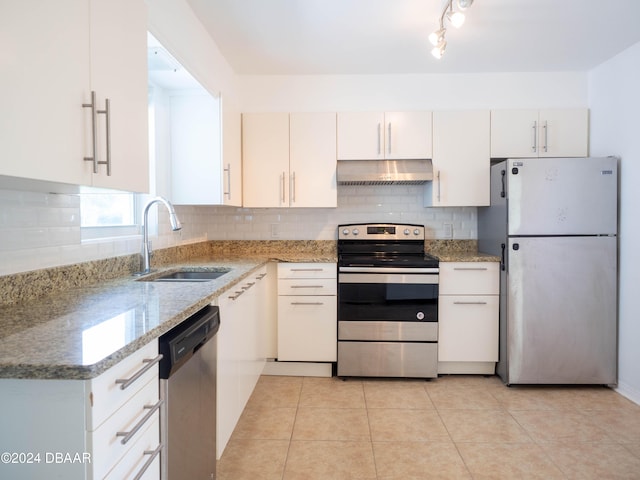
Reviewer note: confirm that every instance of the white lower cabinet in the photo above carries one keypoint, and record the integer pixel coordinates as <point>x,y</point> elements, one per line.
<point>307,312</point>
<point>468,317</point>
<point>76,426</point>
<point>241,351</point>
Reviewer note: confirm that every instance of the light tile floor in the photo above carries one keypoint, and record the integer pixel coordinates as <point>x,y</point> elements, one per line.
<point>453,427</point>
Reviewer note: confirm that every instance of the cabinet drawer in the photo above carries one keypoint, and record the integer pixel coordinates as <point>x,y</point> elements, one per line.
<point>307,329</point>
<point>468,328</point>
<point>307,270</point>
<point>106,396</point>
<point>108,448</point>
<point>469,278</point>
<point>307,286</point>
<point>135,460</point>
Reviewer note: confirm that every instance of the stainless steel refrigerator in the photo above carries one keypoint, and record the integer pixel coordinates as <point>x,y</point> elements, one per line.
<point>553,221</point>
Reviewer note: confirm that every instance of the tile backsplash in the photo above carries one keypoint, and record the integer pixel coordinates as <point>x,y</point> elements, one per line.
<point>39,230</point>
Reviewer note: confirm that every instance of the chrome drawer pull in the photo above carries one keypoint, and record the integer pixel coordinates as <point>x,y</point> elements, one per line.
<point>147,464</point>
<point>307,269</point>
<point>307,286</point>
<point>469,303</point>
<point>129,435</point>
<point>307,303</point>
<point>248,286</point>
<point>470,268</point>
<point>261,276</point>
<point>237,294</point>
<point>150,362</point>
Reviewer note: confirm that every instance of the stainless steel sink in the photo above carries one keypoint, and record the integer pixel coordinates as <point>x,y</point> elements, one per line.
<point>188,276</point>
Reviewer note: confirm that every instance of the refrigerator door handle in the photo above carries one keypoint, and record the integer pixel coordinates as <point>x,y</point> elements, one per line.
<point>503,267</point>
<point>503,193</point>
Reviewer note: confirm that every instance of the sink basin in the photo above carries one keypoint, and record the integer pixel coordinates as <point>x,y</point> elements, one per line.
<point>189,276</point>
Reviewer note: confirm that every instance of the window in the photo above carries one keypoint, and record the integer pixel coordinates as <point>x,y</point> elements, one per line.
<point>108,214</point>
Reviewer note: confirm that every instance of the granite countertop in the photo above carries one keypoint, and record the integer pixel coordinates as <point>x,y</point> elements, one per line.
<point>85,322</point>
<point>80,332</point>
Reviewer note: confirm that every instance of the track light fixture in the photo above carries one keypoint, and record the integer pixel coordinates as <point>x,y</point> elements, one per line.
<point>455,18</point>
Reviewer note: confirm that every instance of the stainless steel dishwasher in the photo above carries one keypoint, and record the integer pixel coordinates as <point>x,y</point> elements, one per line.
<point>188,387</point>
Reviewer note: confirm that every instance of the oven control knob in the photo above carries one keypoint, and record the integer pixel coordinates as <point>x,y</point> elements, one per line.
<point>356,231</point>
<point>420,315</point>
<point>416,232</point>
<point>407,231</point>
<point>345,231</point>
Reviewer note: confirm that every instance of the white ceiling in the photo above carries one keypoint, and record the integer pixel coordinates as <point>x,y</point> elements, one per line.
<point>390,36</point>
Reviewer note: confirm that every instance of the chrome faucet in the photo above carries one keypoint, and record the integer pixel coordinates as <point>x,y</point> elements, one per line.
<point>175,225</point>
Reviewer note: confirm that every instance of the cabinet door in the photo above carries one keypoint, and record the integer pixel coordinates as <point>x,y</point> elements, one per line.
<point>360,135</point>
<point>408,135</point>
<point>468,328</point>
<point>514,133</point>
<point>45,79</point>
<point>265,159</point>
<point>196,176</point>
<point>307,328</point>
<point>564,133</point>
<point>119,73</point>
<point>231,154</point>
<point>312,164</point>
<point>461,162</point>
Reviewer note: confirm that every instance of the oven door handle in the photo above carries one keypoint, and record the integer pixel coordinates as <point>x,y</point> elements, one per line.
<point>381,278</point>
<point>384,270</point>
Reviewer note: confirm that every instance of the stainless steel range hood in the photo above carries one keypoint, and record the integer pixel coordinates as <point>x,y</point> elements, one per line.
<point>384,172</point>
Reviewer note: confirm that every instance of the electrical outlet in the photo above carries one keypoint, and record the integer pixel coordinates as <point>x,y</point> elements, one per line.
<point>448,230</point>
<point>275,230</point>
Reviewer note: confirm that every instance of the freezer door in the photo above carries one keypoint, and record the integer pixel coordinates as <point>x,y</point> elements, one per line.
<point>562,196</point>
<point>561,311</point>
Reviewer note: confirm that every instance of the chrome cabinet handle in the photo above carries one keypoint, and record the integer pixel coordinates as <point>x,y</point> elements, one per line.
<point>307,303</point>
<point>389,138</point>
<point>307,286</point>
<point>127,382</point>
<point>228,171</point>
<point>293,187</point>
<point>470,268</point>
<point>469,303</point>
<point>546,138</point>
<point>306,269</point>
<point>94,131</point>
<point>438,186</point>
<point>534,147</point>
<point>237,294</point>
<point>147,464</point>
<point>379,138</point>
<point>129,435</point>
<point>282,184</point>
<point>261,276</point>
<point>248,286</point>
<point>107,114</point>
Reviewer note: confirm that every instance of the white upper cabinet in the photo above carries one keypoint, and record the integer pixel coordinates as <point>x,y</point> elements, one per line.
<point>289,160</point>
<point>55,55</point>
<point>198,174</point>
<point>539,133</point>
<point>389,135</point>
<point>461,163</point>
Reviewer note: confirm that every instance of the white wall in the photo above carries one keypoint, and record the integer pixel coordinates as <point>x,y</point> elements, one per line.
<point>412,92</point>
<point>614,100</point>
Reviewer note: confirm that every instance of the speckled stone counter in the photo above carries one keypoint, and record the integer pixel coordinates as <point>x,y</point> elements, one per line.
<point>84,328</point>
<point>458,251</point>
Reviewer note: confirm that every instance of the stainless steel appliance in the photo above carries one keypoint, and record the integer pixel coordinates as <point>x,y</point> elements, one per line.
<point>387,302</point>
<point>554,223</point>
<point>188,387</point>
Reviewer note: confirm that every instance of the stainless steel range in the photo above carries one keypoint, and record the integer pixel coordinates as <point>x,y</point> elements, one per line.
<point>387,302</point>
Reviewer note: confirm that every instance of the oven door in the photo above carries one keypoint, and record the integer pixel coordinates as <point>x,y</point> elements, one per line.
<point>386,306</point>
